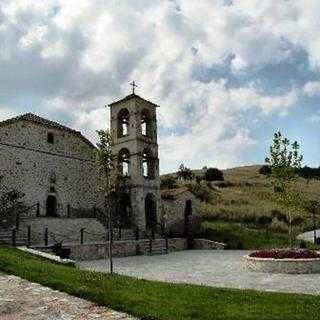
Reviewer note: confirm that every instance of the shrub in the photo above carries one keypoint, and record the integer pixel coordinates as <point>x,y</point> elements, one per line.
<point>285,254</point>
<point>213,174</point>
<point>168,183</point>
<point>224,184</point>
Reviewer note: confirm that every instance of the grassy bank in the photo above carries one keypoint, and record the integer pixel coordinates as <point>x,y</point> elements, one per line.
<point>160,300</point>
<point>240,236</point>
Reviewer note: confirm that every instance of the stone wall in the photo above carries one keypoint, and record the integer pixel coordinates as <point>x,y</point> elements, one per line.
<point>174,211</point>
<point>288,266</point>
<point>204,244</point>
<point>64,169</point>
<point>69,230</point>
<point>65,229</point>
<point>121,248</point>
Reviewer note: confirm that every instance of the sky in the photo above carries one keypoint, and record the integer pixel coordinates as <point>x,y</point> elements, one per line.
<point>226,74</point>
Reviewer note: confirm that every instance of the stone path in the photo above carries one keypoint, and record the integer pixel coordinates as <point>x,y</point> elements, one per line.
<point>23,300</point>
<point>211,268</point>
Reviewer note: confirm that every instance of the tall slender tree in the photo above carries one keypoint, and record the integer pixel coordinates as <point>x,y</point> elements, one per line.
<point>285,160</point>
<point>106,169</point>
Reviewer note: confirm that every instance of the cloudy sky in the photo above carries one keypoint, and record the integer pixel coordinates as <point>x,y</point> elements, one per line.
<point>227,74</point>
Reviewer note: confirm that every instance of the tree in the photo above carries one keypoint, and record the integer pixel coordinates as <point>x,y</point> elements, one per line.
<point>213,174</point>
<point>106,169</point>
<point>285,161</point>
<point>184,173</point>
<point>10,200</point>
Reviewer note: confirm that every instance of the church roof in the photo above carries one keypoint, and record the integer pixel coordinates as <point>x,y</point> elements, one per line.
<point>132,96</point>
<point>45,122</point>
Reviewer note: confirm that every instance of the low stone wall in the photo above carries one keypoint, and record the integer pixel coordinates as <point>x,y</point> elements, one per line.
<point>288,266</point>
<point>204,244</point>
<point>48,256</point>
<point>96,251</point>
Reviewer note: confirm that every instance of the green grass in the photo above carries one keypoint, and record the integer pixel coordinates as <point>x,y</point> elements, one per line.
<point>160,300</point>
<point>238,236</point>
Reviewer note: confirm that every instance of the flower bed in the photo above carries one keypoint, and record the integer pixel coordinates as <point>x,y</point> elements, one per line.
<point>284,261</point>
<point>285,254</point>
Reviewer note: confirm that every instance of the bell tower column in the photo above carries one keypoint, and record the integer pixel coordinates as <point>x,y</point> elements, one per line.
<point>134,122</point>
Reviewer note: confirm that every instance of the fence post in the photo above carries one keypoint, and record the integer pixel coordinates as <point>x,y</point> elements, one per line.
<point>18,221</point>
<point>38,209</point>
<point>94,212</point>
<point>119,232</point>
<point>46,237</point>
<point>29,236</point>
<point>150,245</point>
<point>68,210</point>
<point>81,235</point>
<point>137,234</point>
<point>167,243</point>
<point>14,238</point>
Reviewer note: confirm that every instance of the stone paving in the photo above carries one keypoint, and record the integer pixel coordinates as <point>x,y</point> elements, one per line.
<point>23,300</point>
<point>208,267</point>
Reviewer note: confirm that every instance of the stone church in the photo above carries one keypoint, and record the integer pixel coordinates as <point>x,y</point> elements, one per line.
<point>54,166</point>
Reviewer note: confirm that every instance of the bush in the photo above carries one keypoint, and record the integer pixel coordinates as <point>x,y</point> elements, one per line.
<point>168,183</point>
<point>265,170</point>
<point>213,174</point>
<point>224,184</point>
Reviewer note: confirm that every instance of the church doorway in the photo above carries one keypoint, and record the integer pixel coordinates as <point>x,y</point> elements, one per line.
<point>125,215</point>
<point>51,206</point>
<point>151,212</point>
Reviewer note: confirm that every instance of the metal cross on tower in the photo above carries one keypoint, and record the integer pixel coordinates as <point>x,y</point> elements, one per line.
<point>133,84</point>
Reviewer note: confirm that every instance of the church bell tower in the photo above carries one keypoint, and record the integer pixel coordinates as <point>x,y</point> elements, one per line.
<point>134,125</point>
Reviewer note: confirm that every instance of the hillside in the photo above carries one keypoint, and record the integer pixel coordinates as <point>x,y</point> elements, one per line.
<point>243,203</point>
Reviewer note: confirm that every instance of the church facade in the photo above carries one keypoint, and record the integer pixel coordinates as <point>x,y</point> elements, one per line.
<point>51,164</point>
<point>54,165</point>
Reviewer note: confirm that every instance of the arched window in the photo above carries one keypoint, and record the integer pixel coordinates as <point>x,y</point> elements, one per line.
<point>148,162</point>
<point>123,123</point>
<point>146,124</point>
<point>124,162</point>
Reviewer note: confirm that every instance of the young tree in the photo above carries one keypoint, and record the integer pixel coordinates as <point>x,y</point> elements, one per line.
<point>10,200</point>
<point>106,169</point>
<point>285,161</point>
<point>184,173</point>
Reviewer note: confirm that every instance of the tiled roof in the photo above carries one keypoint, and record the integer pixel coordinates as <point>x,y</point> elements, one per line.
<point>44,122</point>
<point>173,193</point>
<point>129,97</point>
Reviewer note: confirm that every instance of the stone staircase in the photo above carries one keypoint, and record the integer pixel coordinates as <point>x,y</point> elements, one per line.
<point>158,246</point>
<point>7,237</point>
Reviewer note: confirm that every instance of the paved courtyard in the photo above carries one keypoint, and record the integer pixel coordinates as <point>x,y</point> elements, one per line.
<point>210,268</point>
<point>23,300</point>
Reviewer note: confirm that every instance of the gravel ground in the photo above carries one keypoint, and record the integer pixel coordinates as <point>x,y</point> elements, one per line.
<point>215,268</point>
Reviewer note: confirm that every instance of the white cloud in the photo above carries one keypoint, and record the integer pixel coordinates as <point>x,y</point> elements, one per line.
<point>75,56</point>
<point>312,88</point>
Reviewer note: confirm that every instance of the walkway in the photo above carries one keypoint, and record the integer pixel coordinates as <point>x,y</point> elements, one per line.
<point>23,300</point>
<point>210,268</point>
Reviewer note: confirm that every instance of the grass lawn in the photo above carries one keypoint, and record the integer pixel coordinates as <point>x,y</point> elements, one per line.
<point>160,300</point>
<point>238,236</point>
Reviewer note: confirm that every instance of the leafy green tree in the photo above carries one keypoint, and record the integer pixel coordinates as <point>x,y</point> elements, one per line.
<point>184,173</point>
<point>105,165</point>
<point>285,161</point>
<point>213,174</point>
<point>10,200</point>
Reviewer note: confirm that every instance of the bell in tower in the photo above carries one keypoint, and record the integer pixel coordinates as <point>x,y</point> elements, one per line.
<point>134,122</point>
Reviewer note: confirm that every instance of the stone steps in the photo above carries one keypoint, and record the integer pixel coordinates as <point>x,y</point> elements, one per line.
<point>6,237</point>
